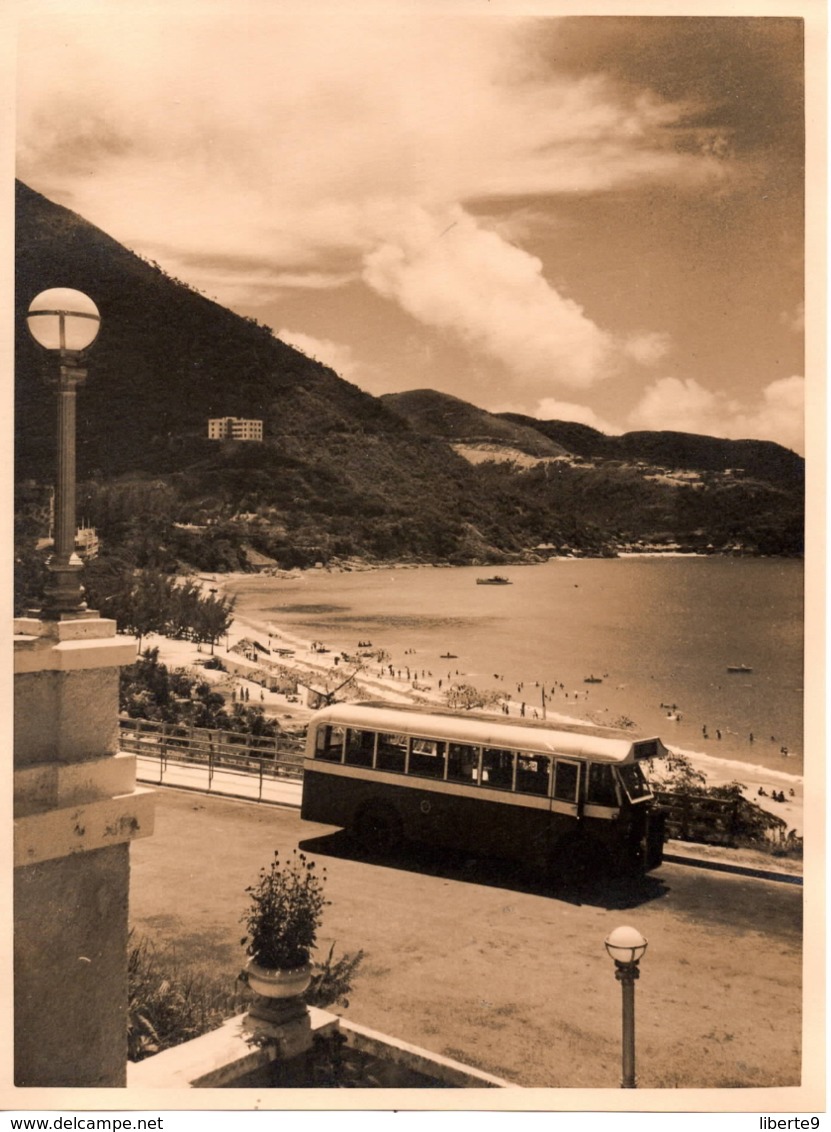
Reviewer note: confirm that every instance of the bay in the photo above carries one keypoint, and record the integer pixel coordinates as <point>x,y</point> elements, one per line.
<point>658,634</point>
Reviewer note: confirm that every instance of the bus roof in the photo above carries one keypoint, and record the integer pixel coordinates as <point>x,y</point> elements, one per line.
<point>483,731</point>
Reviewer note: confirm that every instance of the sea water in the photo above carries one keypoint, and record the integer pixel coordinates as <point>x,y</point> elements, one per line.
<point>657,635</point>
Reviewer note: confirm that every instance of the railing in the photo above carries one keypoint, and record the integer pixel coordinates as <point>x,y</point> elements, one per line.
<point>716,821</point>
<point>264,759</point>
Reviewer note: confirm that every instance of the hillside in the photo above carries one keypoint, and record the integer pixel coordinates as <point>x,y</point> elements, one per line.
<point>341,474</point>
<point>761,459</point>
<point>439,414</point>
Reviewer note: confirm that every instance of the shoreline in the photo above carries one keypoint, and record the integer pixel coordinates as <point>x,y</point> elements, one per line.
<point>322,670</point>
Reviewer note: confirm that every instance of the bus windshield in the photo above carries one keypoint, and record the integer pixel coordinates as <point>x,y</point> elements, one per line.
<point>634,782</point>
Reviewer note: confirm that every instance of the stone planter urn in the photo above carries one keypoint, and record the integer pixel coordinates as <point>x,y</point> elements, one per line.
<point>282,920</point>
<point>278,984</point>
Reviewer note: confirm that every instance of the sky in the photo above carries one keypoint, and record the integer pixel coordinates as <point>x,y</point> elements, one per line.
<point>587,218</point>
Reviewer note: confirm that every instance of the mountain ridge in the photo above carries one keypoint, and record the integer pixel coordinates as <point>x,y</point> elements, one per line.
<point>341,473</point>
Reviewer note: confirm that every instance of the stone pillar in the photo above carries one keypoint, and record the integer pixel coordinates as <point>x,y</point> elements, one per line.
<point>76,809</point>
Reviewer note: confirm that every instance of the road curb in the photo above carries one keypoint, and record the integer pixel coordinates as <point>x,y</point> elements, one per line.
<point>738,870</point>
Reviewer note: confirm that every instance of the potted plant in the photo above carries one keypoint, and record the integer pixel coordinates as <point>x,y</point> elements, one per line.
<point>282,921</point>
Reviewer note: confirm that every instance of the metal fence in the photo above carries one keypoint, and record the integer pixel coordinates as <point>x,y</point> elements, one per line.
<point>213,751</point>
<point>717,821</point>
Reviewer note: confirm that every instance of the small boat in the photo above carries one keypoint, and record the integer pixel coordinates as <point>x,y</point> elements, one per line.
<point>739,668</point>
<point>494,580</point>
<point>592,679</point>
<point>449,656</point>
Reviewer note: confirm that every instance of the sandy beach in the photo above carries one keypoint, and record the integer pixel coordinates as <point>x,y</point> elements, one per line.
<point>248,666</point>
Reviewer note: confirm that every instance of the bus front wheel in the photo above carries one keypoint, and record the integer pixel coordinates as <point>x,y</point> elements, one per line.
<point>378,829</point>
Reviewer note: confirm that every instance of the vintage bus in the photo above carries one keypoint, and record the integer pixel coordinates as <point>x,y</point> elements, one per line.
<point>569,801</point>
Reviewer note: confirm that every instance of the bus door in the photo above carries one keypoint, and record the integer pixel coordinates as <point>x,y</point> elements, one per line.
<point>565,799</point>
<point>531,806</point>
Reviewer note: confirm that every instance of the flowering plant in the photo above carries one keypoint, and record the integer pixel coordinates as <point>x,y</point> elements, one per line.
<point>284,913</point>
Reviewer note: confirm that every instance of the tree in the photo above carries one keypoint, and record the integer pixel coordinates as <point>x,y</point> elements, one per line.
<point>212,617</point>
<point>147,604</point>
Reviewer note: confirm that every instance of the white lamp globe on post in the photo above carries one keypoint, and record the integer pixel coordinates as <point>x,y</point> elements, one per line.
<point>65,323</point>
<point>626,946</point>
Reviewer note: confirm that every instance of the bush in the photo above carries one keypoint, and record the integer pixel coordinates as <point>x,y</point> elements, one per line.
<point>332,980</point>
<point>170,1002</point>
<point>173,1001</point>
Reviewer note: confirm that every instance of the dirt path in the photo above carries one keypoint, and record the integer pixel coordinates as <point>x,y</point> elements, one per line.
<point>478,963</point>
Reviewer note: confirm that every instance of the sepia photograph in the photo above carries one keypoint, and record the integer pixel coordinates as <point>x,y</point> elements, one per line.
<point>418,543</point>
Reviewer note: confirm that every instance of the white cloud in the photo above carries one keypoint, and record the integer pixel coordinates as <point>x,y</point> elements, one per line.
<point>647,349</point>
<point>686,406</point>
<point>550,409</point>
<point>450,273</point>
<point>336,355</point>
<point>313,280</point>
<point>323,146</point>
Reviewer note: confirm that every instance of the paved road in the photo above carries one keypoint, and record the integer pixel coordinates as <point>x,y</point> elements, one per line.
<point>477,962</point>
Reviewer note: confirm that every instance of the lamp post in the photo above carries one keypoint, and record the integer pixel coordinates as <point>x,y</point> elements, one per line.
<point>65,323</point>
<point>626,946</point>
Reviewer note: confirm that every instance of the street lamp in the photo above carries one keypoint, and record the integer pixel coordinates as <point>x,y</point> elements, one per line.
<point>626,946</point>
<point>65,323</point>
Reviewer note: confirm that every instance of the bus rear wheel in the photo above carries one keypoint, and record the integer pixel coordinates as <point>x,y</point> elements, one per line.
<point>378,828</point>
<point>578,860</point>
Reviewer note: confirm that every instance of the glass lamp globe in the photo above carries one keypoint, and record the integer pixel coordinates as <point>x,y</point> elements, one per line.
<point>63,319</point>
<point>626,945</point>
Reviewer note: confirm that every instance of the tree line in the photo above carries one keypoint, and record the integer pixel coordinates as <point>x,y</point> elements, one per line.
<point>148,601</point>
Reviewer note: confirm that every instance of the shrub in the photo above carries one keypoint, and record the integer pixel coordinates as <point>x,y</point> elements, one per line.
<point>170,1002</point>
<point>173,1000</point>
<point>332,980</point>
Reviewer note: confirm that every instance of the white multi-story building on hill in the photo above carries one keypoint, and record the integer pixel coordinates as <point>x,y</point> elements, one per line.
<point>234,428</point>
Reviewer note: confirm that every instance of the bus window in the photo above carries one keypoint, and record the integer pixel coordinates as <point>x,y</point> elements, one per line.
<point>533,774</point>
<point>634,783</point>
<point>566,781</point>
<point>359,747</point>
<point>462,763</point>
<point>497,768</point>
<point>392,752</point>
<point>601,789</point>
<point>329,744</point>
<point>427,758</point>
